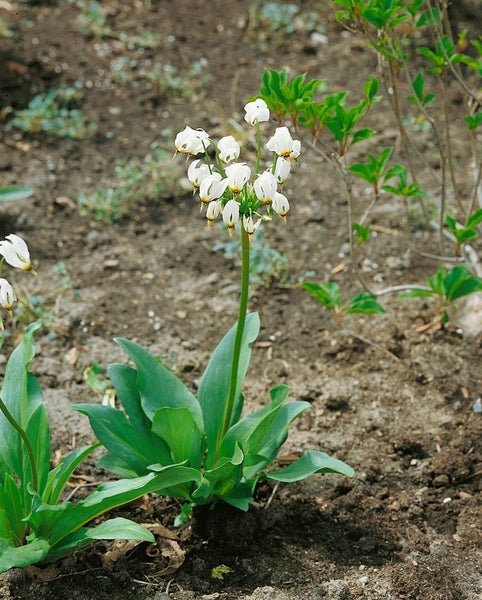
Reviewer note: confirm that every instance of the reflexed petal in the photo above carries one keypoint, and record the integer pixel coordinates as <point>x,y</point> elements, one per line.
<point>15,252</point>
<point>237,175</point>
<point>280,204</point>
<point>256,112</point>
<point>229,149</point>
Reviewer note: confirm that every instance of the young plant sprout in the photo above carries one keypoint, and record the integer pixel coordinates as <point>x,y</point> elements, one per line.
<point>221,454</point>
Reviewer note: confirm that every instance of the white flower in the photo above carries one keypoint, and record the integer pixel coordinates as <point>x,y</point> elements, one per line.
<point>228,149</point>
<point>282,169</point>
<point>197,172</point>
<point>265,187</point>
<point>231,214</point>
<point>191,141</point>
<point>213,210</point>
<point>15,252</point>
<point>256,112</point>
<point>212,187</point>
<point>280,205</point>
<point>7,295</point>
<point>237,175</point>
<point>250,225</point>
<point>283,144</point>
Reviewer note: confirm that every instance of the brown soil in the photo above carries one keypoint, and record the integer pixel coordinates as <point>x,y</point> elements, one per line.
<point>399,409</point>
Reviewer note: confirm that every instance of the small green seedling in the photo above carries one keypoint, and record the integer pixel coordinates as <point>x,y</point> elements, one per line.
<point>464,233</point>
<point>329,295</point>
<point>448,286</point>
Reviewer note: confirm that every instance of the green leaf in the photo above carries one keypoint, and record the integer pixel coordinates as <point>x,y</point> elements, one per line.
<point>157,386</point>
<point>251,430</point>
<point>327,293</point>
<point>14,192</point>
<point>362,134</point>
<point>116,433</point>
<point>365,304</point>
<point>310,463</point>
<point>214,385</point>
<point>59,476</point>
<point>56,525</point>
<point>119,529</point>
<point>178,429</point>
<point>218,482</point>
<point>22,556</point>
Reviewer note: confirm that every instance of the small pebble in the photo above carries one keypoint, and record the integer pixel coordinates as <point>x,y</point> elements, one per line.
<point>477,406</point>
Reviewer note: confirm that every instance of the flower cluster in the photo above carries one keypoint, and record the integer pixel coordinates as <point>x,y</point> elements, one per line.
<point>14,251</point>
<point>226,187</point>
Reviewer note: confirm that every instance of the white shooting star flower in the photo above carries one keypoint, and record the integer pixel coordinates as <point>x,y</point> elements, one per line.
<point>212,187</point>
<point>15,252</point>
<point>256,112</point>
<point>238,175</point>
<point>283,144</point>
<point>265,187</point>
<point>7,295</point>
<point>280,205</point>
<point>196,172</point>
<point>229,149</point>
<point>191,141</point>
<point>231,214</point>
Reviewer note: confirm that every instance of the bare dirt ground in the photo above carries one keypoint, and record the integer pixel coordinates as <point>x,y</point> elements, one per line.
<point>399,409</point>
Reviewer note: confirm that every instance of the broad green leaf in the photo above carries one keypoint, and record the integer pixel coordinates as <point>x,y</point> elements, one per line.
<point>14,192</point>
<point>22,556</point>
<point>251,430</point>
<point>15,504</point>
<point>221,480</point>
<point>159,387</point>
<point>116,465</point>
<point>178,429</point>
<point>416,294</point>
<point>59,476</point>
<point>362,134</point>
<point>365,304</point>
<point>327,293</point>
<point>458,283</point>
<point>119,529</point>
<point>310,463</point>
<point>275,438</point>
<point>475,219</point>
<point>106,497</point>
<point>214,386</point>
<point>17,382</point>
<point>116,433</point>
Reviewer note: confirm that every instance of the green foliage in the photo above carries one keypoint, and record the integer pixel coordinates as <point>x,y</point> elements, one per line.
<point>35,525</point>
<point>163,425</point>
<point>266,263</point>
<point>467,232</point>
<point>287,97</point>
<point>362,232</point>
<point>374,170</point>
<point>448,286</point>
<point>55,113</point>
<point>329,295</point>
<point>10,193</point>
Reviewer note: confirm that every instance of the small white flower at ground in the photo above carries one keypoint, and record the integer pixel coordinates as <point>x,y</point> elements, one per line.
<point>265,187</point>
<point>229,149</point>
<point>191,141</point>
<point>196,172</point>
<point>283,144</point>
<point>280,205</point>
<point>238,175</point>
<point>250,225</point>
<point>256,112</point>
<point>7,295</point>
<point>231,214</point>
<point>213,210</point>
<point>212,187</point>
<point>15,252</point>
<point>282,170</point>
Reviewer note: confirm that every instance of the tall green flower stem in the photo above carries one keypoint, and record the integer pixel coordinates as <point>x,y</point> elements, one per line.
<point>243,306</point>
<point>11,419</point>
